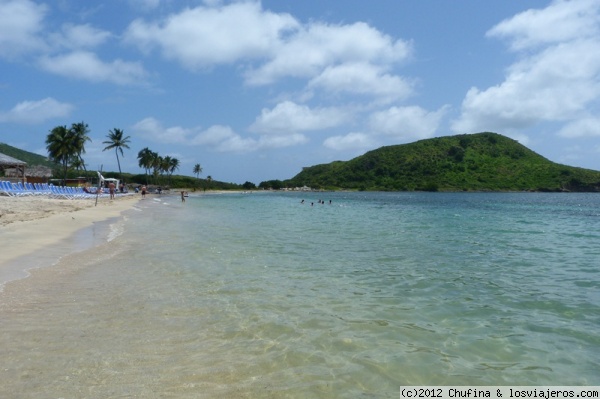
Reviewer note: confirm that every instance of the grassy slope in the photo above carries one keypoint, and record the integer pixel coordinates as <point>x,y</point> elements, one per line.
<point>474,162</point>
<point>31,158</point>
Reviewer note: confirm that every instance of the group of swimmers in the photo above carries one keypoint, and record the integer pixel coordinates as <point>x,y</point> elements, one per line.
<point>320,202</point>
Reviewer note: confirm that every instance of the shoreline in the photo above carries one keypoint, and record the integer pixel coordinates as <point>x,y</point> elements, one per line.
<point>32,229</point>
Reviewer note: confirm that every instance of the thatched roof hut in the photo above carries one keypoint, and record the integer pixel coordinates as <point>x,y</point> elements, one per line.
<point>17,165</point>
<point>38,174</point>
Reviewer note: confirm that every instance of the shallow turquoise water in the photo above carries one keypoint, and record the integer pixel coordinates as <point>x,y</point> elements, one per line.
<point>259,295</point>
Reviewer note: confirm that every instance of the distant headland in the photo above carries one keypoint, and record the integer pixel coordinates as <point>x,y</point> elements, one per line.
<point>467,162</point>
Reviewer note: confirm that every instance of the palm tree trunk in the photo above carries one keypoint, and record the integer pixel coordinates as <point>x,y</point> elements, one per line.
<point>66,168</point>
<point>118,163</point>
<point>83,164</point>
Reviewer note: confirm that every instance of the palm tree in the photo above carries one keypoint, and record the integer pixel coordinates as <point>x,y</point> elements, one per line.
<point>145,159</point>
<point>197,171</point>
<point>164,167</point>
<point>118,142</point>
<point>77,164</point>
<point>173,166</point>
<point>79,136</point>
<point>208,180</point>
<point>62,147</point>
<point>157,166</point>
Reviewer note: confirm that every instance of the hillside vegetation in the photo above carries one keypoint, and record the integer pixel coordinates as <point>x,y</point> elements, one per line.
<point>469,162</point>
<point>25,156</point>
<point>33,159</point>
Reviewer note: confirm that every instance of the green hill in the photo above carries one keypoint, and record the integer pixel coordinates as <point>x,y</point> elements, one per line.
<point>31,158</point>
<point>468,162</point>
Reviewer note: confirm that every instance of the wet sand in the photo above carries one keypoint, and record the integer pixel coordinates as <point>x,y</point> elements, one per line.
<point>29,224</point>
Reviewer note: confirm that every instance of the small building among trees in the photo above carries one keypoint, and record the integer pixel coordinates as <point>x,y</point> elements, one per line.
<point>38,174</point>
<point>13,169</point>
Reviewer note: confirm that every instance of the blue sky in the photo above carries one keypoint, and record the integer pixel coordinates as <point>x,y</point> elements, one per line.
<point>256,90</point>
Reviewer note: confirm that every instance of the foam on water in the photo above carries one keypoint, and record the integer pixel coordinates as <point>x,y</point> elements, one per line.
<point>116,229</point>
<point>258,295</point>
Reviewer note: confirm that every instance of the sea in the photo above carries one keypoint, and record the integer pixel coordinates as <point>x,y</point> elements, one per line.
<point>311,295</point>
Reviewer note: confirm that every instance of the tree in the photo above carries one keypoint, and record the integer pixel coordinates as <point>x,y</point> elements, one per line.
<point>62,147</point>
<point>168,165</point>
<point>78,164</point>
<point>78,133</point>
<point>157,166</point>
<point>164,167</point>
<point>197,171</point>
<point>118,142</point>
<point>173,166</point>
<point>208,180</point>
<point>271,185</point>
<point>145,160</point>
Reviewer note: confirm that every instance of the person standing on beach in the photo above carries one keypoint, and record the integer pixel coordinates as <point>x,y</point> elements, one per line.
<point>143,192</point>
<point>183,196</point>
<point>111,190</point>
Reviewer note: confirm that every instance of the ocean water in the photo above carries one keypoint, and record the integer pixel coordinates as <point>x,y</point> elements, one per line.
<point>260,295</point>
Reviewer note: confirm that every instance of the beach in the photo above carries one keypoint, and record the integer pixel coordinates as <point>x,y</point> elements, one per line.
<point>30,224</point>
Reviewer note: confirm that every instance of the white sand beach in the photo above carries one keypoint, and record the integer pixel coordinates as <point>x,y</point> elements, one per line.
<point>28,224</point>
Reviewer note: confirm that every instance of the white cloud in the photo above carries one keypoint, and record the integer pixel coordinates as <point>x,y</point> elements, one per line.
<point>584,127</point>
<point>213,136</point>
<point>87,66</point>
<point>218,137</point>
<point>239,144</point>
<point>555,81</point>
<point>34,112</point>
<point>362,78</point>
<point>277,46</point>
<point>202,37</point>
<point>546,87</point>
<point>310,50</point>
<point>289,140</point>
<point>561,21</point>
<point>152,129</point>
<point>403,123</point>
<point>79,36</point>
<point>351,141</point>
<point>22,32</point>
<point>21,22</point>
<point>394,124</point>
<point>289,117</point>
